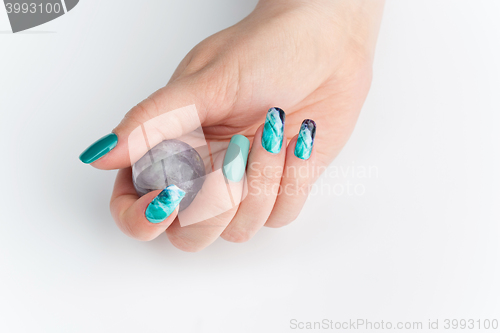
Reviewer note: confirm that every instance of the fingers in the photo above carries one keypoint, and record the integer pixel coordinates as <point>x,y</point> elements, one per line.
<point>169,113</point>
<point>299,174</point>
<point>207,216</point>
<point>264,172</point>
<point>141,218</point>
<point>277,180</point>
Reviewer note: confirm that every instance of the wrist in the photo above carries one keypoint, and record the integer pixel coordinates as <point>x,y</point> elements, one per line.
<point>343,25</point>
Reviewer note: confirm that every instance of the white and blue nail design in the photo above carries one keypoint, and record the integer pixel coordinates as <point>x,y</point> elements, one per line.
<point>164,204</point>
<point>305,141</point>
<point>274,127</point>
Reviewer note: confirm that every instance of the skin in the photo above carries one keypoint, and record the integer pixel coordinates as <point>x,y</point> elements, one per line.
<point>311,58</point>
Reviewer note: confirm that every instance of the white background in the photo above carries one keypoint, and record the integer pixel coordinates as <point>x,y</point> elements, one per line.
<point>421,242</point>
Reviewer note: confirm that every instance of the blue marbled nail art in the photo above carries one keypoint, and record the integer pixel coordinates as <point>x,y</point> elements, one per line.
<point>272,136</point>
<point>305,141</point>
<point>164,204</point>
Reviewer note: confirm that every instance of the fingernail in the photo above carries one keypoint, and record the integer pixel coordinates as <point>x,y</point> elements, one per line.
<point>305,141</point>
<point>235,160</point>
<point>164,204</point>
<point>99,148</point>
<point>272,136</point>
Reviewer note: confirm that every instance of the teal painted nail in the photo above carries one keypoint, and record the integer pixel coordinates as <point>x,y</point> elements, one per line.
<point>99,148</point>
<point>235,161</point>
<point>272,136</point>
<point>305,141</point>
<point>164,204</point>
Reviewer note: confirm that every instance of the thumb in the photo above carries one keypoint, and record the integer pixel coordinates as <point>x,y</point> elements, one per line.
<point>169,113</point>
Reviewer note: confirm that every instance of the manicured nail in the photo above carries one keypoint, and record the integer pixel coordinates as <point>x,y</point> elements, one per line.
<point>99,148</point>
<point>305,141</point>
<point>164,204</point>
<point>235,161</point>
<point>272,136</point>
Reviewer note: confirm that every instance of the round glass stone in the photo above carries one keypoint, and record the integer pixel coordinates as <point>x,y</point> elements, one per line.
<point>170,162</point>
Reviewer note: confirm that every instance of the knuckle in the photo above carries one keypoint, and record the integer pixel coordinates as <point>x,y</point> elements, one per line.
<point>146,110</point>
<point>135,232</point>
<point>296,187</point>
<point>145,237</point>
<point>184,244</point>
<point>265,180</point>
<point>237,235</point>
<point>281,221</point>
<point>219,84</point>
<point>141,113</point>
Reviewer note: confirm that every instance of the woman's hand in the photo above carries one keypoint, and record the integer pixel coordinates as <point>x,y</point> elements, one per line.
<point>312,59</point>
